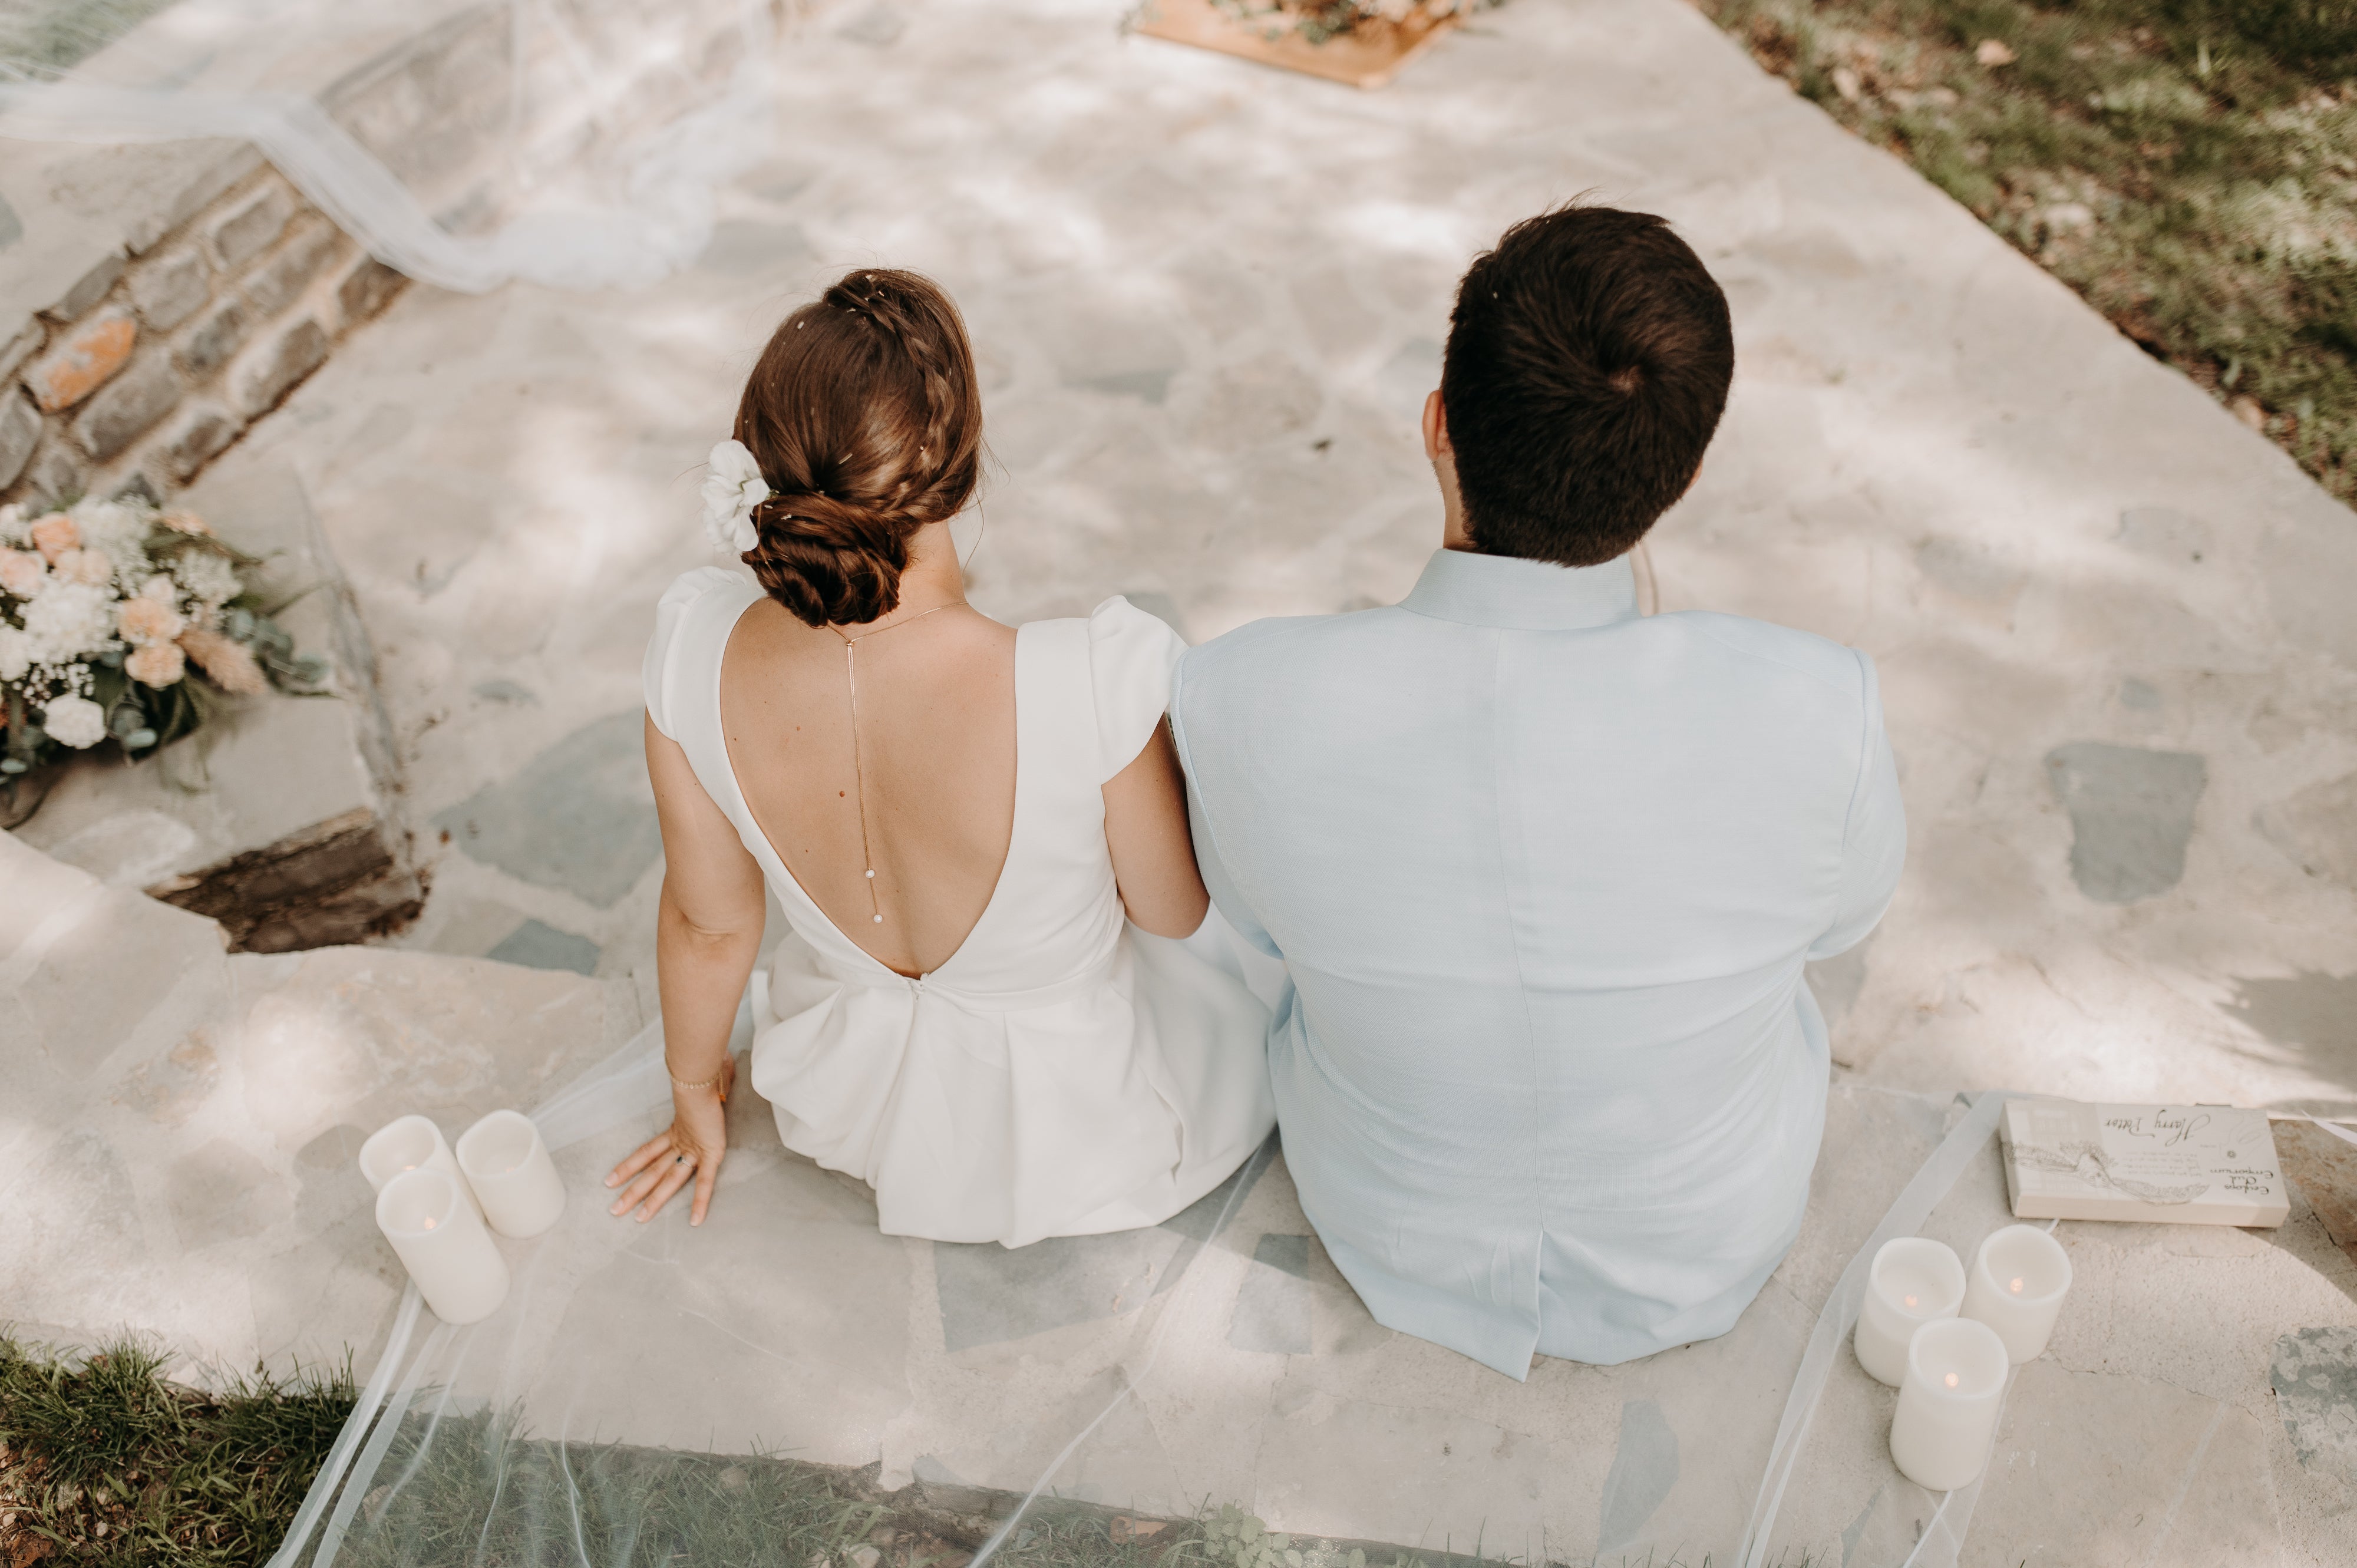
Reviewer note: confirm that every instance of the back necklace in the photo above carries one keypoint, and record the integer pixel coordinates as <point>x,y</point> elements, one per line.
<point>858,776</point>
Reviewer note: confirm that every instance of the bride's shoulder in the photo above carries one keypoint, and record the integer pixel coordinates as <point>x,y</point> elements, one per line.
<point>690,587</point>
<point>692,595</point>
<point>1131,653</point>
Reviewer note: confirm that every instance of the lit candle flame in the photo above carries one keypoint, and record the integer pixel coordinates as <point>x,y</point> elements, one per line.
<point>429,1225</point>
<point>2016,1287</point>
<point>1911,1301</point>
<point>1952,1380</point>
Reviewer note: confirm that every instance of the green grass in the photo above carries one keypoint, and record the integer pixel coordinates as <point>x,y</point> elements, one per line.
<point>103,1462</point>
<point>2190,166</point>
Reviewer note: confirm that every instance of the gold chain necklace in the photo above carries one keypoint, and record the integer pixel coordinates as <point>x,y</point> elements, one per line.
<point>859,775</point>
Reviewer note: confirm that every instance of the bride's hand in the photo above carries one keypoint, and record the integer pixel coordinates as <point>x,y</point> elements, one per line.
<point>693,1146</point>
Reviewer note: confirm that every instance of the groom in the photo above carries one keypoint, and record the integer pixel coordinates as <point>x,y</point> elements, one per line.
<point>1545,872</point>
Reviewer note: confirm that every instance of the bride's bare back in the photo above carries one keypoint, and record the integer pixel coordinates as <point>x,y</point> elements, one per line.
<point>936,751</point>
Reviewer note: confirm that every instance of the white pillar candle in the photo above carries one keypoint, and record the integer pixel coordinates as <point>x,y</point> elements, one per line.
<point>1913,1281</point>
<point>442,1243</point>
<point>2019,1277</point>
<point>1948,1405</point>
<point>513,1177</point>
<point>411,1144</point>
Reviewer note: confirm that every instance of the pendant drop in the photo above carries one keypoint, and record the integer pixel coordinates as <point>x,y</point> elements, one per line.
<point>880,919</point>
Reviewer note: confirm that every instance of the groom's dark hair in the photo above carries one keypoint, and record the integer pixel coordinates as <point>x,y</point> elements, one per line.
<point>1588,361</point>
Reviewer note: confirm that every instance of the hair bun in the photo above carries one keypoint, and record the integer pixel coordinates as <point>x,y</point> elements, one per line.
<point>831,562</point>
<point>865,418</point>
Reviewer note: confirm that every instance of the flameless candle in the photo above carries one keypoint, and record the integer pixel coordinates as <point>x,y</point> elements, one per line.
<point>411,1144</point>
<point>1912,1282</point>
<point>442,1243</point>
<point>2019,1277</point>
<point>513,1176</point>
<point>1948,1403</point>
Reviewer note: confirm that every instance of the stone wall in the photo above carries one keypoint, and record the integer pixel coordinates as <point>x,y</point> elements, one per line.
<point>159,356</point>
<point>157,300</point>
<point>176,294</point>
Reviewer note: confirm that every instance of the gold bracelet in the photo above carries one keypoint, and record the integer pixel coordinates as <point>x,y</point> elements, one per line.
<point>677,1083</point>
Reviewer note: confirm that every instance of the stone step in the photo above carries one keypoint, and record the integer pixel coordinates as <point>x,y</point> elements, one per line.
<point>178,1156</point>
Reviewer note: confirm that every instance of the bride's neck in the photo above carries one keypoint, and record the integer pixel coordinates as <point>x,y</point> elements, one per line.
<point>933,577</point>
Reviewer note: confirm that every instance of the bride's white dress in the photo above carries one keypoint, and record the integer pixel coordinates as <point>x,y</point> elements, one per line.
<point>1062,1073</point>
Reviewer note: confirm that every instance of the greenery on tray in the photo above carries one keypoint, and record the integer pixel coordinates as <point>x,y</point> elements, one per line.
<point>103,1462</point>
<point>2190,166</point>
<point>1319,21</point>
<point>120,622</point>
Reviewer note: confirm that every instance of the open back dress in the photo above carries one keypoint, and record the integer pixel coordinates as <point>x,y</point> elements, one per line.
<point>1062,1073</point>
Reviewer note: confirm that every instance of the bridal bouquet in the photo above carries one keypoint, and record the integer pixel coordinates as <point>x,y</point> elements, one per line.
<point>109,612</point>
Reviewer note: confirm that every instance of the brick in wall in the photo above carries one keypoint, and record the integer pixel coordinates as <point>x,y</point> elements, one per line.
<point>367,289</point>
<point>89,290</point>
<point>83,361</point>
<point>274,365</point>
<point>218,334</point>
<point>129,406</point>
<point>20,432</point>
<point>19,348</point>
<point>273,285</point>
<point>56,471</point>
<point>251,226</point>
<point>200,433</point>
<point>168,289</point>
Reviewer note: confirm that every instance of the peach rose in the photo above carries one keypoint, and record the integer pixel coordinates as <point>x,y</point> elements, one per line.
<point>228,664</point>
<point>161,664</point>
<point>187,522</point>
<point>147,622</point>
<point>21,573</point>
<point>54,535</point>
<point>93,566</point>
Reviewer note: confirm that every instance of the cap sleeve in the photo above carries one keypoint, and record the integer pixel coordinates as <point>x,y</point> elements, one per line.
<point>1131,656</point>
<point>673,613</point>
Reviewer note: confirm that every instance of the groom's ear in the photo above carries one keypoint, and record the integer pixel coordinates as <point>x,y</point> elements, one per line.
<point>1435,428</point>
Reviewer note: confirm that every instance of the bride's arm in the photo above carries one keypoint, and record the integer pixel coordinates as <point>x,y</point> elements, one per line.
<point>1145,828</point>
<point>707,933</point>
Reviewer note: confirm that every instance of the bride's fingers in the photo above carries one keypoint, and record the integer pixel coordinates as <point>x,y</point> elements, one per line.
<point>638,1187</point>
<point>675,1177</point>
<point>707,1171</point>
<point>657,1145</point>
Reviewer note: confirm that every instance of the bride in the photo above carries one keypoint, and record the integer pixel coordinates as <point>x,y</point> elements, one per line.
<point>962,820</point>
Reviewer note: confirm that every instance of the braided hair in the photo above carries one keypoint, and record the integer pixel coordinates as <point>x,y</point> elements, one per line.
<point>866,417</point>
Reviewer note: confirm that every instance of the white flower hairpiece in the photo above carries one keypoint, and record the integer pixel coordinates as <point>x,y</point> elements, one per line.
<point>731,490</point>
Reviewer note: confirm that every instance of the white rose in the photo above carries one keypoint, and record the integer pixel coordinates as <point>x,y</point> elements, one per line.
<point>731,490</point>
<point>15,653</point>
<point>160,588</point>
<point>12,524</point>
<point>70,619</point>
<point>76,722</point>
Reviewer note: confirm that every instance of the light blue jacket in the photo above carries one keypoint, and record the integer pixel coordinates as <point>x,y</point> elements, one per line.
<point>1545,872</point>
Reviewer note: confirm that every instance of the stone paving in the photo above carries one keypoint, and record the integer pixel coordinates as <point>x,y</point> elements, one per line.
<point>2111,624</point>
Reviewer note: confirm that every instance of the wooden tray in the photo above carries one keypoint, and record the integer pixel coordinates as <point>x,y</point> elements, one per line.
<point>1368,56</point>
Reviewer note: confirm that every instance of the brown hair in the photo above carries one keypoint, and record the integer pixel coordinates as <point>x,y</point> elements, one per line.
<point>866,418</point>
<point>1590,357</point>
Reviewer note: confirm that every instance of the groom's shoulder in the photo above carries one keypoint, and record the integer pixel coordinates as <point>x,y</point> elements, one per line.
<point>1780,651</point>
<point>1255,650</point>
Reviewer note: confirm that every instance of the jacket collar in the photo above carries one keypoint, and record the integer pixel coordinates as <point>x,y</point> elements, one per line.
<point>1519,595</point>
